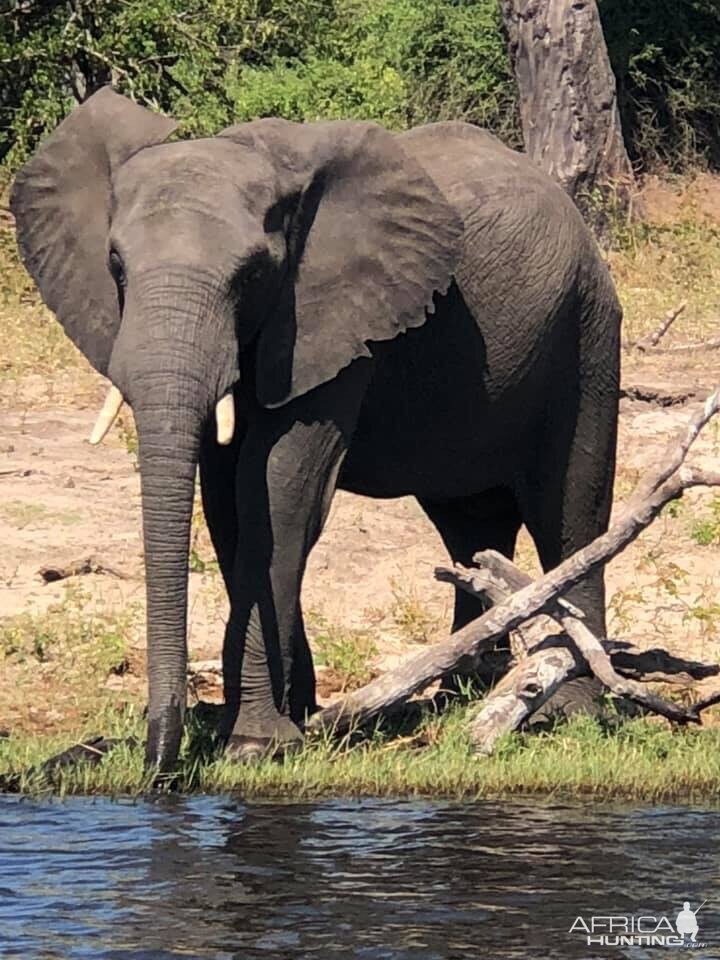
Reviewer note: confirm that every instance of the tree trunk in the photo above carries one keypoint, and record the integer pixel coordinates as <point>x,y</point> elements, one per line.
<point>568,101</point>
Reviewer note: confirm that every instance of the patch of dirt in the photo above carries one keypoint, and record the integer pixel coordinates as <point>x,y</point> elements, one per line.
<point>63,502</point>
<point>665,202</point>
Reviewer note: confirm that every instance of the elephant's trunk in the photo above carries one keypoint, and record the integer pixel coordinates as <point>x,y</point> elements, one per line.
<point>177,370</point>
<point>168,461</point>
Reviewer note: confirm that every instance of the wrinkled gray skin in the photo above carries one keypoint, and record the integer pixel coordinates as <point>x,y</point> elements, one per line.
<point>293,264</point>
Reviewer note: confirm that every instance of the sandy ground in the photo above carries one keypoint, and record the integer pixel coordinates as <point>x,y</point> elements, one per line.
<point>62,501</point>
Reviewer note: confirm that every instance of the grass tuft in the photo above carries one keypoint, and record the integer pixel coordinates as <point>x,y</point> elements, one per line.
<point>347,654</point>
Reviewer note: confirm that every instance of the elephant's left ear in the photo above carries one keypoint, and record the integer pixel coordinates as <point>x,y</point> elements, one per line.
<point>371,238</point>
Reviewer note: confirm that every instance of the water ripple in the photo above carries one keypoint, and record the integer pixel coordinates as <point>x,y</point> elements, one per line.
<point>206,877</point>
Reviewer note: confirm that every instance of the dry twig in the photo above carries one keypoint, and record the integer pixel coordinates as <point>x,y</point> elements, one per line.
<point>656,336</point>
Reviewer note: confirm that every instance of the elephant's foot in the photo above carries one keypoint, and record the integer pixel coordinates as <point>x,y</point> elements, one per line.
<point>251,744</point>
<point>582,695</point>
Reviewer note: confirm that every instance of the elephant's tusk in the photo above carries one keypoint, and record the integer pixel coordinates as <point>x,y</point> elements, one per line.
<point>225,418</point>
<point>106,417</point>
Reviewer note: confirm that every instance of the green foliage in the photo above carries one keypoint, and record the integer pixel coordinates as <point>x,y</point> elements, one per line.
<point>346,653</point>
<point>211,63</point>
<point>68,635</point>
<point>415,621</point>
<point>168,54</point>
<point>705,530</point>
<point>399,62</point>
<point>666,57</point>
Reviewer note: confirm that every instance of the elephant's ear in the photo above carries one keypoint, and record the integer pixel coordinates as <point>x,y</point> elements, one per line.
<point>61,202</point>
<point>371,236</point>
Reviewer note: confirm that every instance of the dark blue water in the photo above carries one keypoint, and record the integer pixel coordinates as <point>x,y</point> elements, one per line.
<point>216,878</point>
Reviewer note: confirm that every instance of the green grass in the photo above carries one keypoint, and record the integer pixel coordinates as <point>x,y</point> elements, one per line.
<point>411,615</point>
<point>69,634</point>
<point>345,652</point>
<point>705,530</point>
<point>21,514</point>
<point>633,759</point>
<point>655,267</point>
<point>58,665</point>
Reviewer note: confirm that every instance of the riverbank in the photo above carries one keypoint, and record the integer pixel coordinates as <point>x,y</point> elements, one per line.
<point>638,759</point>
<point>72,660</point>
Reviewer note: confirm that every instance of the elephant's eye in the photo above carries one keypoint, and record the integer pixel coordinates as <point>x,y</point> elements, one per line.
<point>115,265</point>
<point>116,268</point>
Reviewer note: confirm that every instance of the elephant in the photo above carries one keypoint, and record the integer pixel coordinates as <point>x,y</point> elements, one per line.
<point>294,308</point>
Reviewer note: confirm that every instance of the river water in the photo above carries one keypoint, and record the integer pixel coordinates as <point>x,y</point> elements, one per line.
<point>206,877</point>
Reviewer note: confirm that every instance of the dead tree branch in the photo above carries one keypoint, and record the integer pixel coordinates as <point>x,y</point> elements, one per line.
<point>662,393</point>
<point>653,339</point>
<point>458,652</point>
<point>712,344</point>
<point>527,686</point>
<point>495,578</point>
<point>650,343</point>
<point>523,690</point>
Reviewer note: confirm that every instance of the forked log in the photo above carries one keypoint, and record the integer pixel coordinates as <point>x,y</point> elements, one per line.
<point>534,679</point>
<point>495,578</point>
<point>457,653</point>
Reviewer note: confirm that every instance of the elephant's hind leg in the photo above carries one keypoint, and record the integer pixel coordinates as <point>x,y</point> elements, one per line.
<point>567,494</point>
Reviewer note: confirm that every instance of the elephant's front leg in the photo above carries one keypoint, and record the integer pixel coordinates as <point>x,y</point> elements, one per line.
<point>218,470</point>
<point>286,476</point>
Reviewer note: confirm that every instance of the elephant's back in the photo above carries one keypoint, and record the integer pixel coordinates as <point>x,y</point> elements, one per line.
<point>512,211</point>
<point>471,166</point>
<point>527,250</point>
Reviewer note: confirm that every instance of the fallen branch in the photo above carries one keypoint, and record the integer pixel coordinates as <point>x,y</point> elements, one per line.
<point>600,665</point>
<point>507,576</point>
<point>650,343</point>
<point>458,652</point>
<point>17,473</point>
<point>712,344</point>
<point>76,568</point>
<point>534,679</point>
<point>523,690</point>
<point>662,393</point>
<point>495,578</point>
<point>656,336</point>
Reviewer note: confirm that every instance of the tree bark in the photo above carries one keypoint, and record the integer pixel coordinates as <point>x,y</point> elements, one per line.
<point>568,100</point>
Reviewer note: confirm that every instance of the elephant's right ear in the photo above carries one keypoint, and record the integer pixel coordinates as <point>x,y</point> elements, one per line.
<point>61,202</point>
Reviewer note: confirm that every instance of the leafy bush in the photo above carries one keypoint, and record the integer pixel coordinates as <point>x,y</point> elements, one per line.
<point>666,57</point>
<point>214,62</point>
<point>400,62</point>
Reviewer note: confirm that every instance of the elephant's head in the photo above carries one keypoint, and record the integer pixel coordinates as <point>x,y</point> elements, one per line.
<point>166,262</point>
